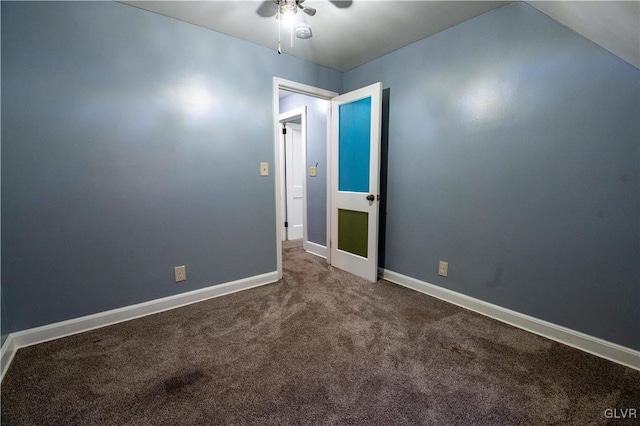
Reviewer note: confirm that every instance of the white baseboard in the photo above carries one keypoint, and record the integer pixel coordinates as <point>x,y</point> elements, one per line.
<point>57,330</point>
<point>593,345</point>
<point>316,249</point>
<point>6,355</point>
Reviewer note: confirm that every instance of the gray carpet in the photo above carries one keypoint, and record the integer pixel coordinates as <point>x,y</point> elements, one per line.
<point>318,347</point>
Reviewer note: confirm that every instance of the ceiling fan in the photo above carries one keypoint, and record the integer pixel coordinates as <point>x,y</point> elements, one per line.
<point>284,7</point>
<point>288,9</point>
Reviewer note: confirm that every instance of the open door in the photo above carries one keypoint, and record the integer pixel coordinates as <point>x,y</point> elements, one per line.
<point>355,180</point>
<point>294,168</point>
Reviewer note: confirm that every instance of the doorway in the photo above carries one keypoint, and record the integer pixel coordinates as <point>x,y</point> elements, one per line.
<point>352,145</point>
<point>315,179</point>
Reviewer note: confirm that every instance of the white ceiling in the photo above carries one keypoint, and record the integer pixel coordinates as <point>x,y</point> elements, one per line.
<point>350,33</point>
<point>614,25</point>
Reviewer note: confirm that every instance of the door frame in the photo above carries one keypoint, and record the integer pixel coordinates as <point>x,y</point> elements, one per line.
<point>304,89</point>
<point>284,118</point>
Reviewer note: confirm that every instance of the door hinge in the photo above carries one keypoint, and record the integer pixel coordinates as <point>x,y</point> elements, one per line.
<point>286,224</point>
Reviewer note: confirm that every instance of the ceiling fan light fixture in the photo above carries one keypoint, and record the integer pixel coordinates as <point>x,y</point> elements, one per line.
<point>303,31</point>
<point>286,9</point>
<point>286,17</point>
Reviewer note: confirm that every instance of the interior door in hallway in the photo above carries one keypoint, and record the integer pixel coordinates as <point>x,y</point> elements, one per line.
<point>294,165</point>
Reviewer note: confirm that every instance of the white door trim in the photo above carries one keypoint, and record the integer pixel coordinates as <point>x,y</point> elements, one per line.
<point>304,89</point>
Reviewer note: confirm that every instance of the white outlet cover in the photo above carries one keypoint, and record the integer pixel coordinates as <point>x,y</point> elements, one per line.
<point>264,169</point>
<point>443,268</point>
<point>180,273</point>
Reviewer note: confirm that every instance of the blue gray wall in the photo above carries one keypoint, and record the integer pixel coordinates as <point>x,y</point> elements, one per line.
<point>316,153</point>
<point>514,154</point>
<point>131,143</point>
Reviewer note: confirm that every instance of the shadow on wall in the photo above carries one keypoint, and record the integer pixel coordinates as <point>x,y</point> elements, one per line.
<point>384,155</point>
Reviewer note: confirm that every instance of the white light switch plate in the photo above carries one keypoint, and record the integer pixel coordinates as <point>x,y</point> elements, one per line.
<point>314,171</point>
<point>264,169</point>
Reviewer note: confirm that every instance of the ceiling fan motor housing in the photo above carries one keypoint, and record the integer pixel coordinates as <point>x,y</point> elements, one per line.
<point>291,7</point>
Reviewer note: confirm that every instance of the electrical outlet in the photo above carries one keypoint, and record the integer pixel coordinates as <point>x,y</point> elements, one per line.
<point>180,273</point>
<point>264,169</point>
<point>443,268</point>
<point>314,171</point>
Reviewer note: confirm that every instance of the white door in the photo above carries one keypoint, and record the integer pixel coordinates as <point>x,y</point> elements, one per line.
<point>355,179</point>
<point>294,170</point>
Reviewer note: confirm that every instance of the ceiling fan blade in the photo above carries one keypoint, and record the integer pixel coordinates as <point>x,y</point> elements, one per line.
<point>341,4</point>
<point>308,10</point>
<point>267,9</point>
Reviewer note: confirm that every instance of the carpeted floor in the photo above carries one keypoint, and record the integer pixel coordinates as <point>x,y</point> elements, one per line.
<point>319,347</point>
